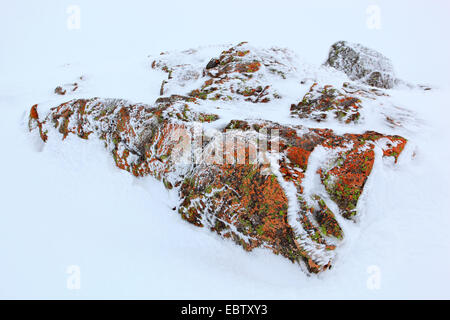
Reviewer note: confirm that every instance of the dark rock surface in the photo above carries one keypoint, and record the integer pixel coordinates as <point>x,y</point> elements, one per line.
<point>362,64</point>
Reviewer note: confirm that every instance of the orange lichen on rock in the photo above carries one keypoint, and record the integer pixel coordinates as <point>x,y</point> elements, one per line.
<point>298,156</point>
<point>248,67</point>
<point>327,221</point>
<point>321,102</point>
<point>247,180</point>
<point>394,147</point>
<point>33,113</point>
<point>237,73</point>
<point>346,177</point>
<point>244,201</point>
<point>243,204</point>
<point>34,122</point>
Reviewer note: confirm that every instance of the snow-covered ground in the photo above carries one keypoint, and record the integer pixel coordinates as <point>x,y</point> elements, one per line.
<point>67,204</point>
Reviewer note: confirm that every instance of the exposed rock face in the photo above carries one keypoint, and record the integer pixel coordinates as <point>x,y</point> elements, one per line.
<point>249,180</point>
<point>362,64</point>
<point>69,87</point>
<point>322,102</point>
<point>241,72</point>
<point>257,204</point>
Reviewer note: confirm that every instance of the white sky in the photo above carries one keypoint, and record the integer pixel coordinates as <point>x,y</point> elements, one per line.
<point>34,36</point>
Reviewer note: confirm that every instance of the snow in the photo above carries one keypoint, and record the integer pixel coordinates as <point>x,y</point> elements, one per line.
<point>66,203</point>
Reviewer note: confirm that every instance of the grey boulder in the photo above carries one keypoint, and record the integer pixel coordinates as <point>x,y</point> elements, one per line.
<point>362,64</point>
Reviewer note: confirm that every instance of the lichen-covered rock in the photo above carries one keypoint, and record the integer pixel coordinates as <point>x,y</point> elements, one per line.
<point>244,73</point>
<point>247,180</point>
<point>345,175</point>
<point>244,182</point>
<point>140,137</point>
<point>321,103</point>
<point>362,64</point>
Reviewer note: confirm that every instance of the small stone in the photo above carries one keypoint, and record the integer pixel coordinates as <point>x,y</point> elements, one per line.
<point>212,63</point>
<point>59,90</point>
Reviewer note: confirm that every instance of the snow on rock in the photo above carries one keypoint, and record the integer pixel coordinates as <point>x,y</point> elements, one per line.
<point>362,64</point>
<point>243,180</point>
<point>241,72</point>
<point>241,201</point>
<point>321,102</point>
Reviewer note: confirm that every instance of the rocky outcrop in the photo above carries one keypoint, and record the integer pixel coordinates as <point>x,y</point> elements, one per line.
<point>362,64</point>
<point>241,72</point>
<point>247,180</point>
<point>321,103</point>
<point>239,192</point>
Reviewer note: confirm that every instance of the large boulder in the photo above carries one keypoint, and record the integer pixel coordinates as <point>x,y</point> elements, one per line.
<point>362,64</point>
<point>253,181</point>
<point>235,181</point>
<point>241,72</point>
